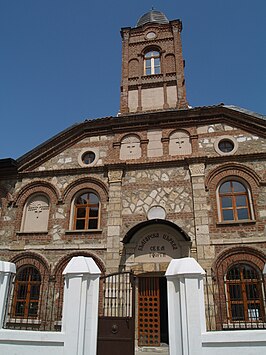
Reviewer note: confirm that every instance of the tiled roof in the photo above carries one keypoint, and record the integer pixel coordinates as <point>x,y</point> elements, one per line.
<point>243,110</point>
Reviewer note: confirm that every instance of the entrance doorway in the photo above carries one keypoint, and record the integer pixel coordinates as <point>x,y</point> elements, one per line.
<point>116,322</point>
<point>152,311</point>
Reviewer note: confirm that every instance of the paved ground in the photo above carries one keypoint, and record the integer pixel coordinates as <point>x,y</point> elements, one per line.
<point>163,350</point>
<point>151,352</point>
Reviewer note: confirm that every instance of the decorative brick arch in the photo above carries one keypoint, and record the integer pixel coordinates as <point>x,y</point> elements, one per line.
<point>61,264</point>
<point>85,183</point>
<point>171,132</point>
<point>150,48</point>
<point>240,254</point>
<point>35,187</point>
<point>128,135</point>
<point>31,258</point>
<point>229,169</point>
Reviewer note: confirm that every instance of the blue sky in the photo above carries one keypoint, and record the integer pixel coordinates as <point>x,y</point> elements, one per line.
<point>60,60</point>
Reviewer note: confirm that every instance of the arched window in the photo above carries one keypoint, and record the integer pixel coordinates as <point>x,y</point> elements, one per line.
<point>234,203</point>
<point>244,294</point>
<point>152,63</point>
<point>26,293</point>
<point>36,214</point>
<point>86,211</point>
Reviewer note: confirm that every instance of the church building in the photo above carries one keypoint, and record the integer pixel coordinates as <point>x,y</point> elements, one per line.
<point>160,181</point>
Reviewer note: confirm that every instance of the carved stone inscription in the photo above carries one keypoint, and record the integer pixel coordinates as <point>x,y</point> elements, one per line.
<point>157,246</point>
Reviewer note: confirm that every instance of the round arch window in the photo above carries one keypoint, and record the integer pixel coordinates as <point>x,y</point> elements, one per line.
<point>88,158</point>
<point>152,62</point>
<point>86,214</point>
<point>226,145</point>
<point>244,294</point>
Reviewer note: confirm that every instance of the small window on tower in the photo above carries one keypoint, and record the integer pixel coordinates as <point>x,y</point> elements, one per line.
<point>152,63</point>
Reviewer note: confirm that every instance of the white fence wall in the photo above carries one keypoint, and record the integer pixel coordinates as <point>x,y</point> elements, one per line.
<point>80,315</point>
<point>187,323</point>
<point>187,329</point>
<point>243,342</point>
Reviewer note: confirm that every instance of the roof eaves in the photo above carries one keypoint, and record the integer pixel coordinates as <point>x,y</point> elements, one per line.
<point>22,157</point>
<point>247,112</point>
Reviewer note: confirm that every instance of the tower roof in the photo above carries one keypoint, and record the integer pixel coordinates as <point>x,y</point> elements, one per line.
<point>152,16</point>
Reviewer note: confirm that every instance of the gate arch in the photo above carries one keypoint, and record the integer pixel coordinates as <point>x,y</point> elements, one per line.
<point>148,248</point>
<point>154,242</point>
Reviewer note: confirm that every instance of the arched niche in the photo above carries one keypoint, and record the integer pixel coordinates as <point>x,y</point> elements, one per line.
<point>153,243</point>
<point>36,214</point>
<point>130,148</point>
<point>179,143</point>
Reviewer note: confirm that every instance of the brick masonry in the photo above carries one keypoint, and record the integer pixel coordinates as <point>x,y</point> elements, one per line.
<point>129,188</point>
<point>180,182</point>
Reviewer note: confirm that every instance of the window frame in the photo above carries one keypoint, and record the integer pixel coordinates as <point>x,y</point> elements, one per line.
<point>226,138</point>
<point>94,150</point>
<point>234,208</point>
<point>87,207</point>
<point>28,300</point>
<point>244,299</point>
<point>152,59</point>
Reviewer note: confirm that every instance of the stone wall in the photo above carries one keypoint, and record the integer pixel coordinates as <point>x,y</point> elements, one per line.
<point>185,186</point>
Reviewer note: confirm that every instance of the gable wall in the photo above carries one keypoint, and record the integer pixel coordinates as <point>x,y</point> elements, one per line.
<point>129,190</point>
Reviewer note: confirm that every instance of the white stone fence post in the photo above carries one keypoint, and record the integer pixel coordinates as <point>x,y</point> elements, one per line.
<point>7,270</point>
<point>186,309</point>
<point>80,307</point>
<point>80,314</point>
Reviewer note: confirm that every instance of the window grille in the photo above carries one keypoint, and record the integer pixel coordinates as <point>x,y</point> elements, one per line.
<point>235,298</point>
<point>35,301</point>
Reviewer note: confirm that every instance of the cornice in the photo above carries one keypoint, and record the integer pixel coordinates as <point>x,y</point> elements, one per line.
<point>140,121</point>
<point>177,23</point>
<point>150,42</point>
<point>167,162</point>
<point>137,31</point>
<point>61,172</point>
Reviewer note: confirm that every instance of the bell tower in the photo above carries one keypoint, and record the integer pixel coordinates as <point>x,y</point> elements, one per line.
<point>152,65</point>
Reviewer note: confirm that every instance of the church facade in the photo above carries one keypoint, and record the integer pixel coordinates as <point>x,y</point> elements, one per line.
<point>161,180</point>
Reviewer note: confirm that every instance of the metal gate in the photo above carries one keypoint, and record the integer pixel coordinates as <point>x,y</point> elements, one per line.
<point>116,328</point>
